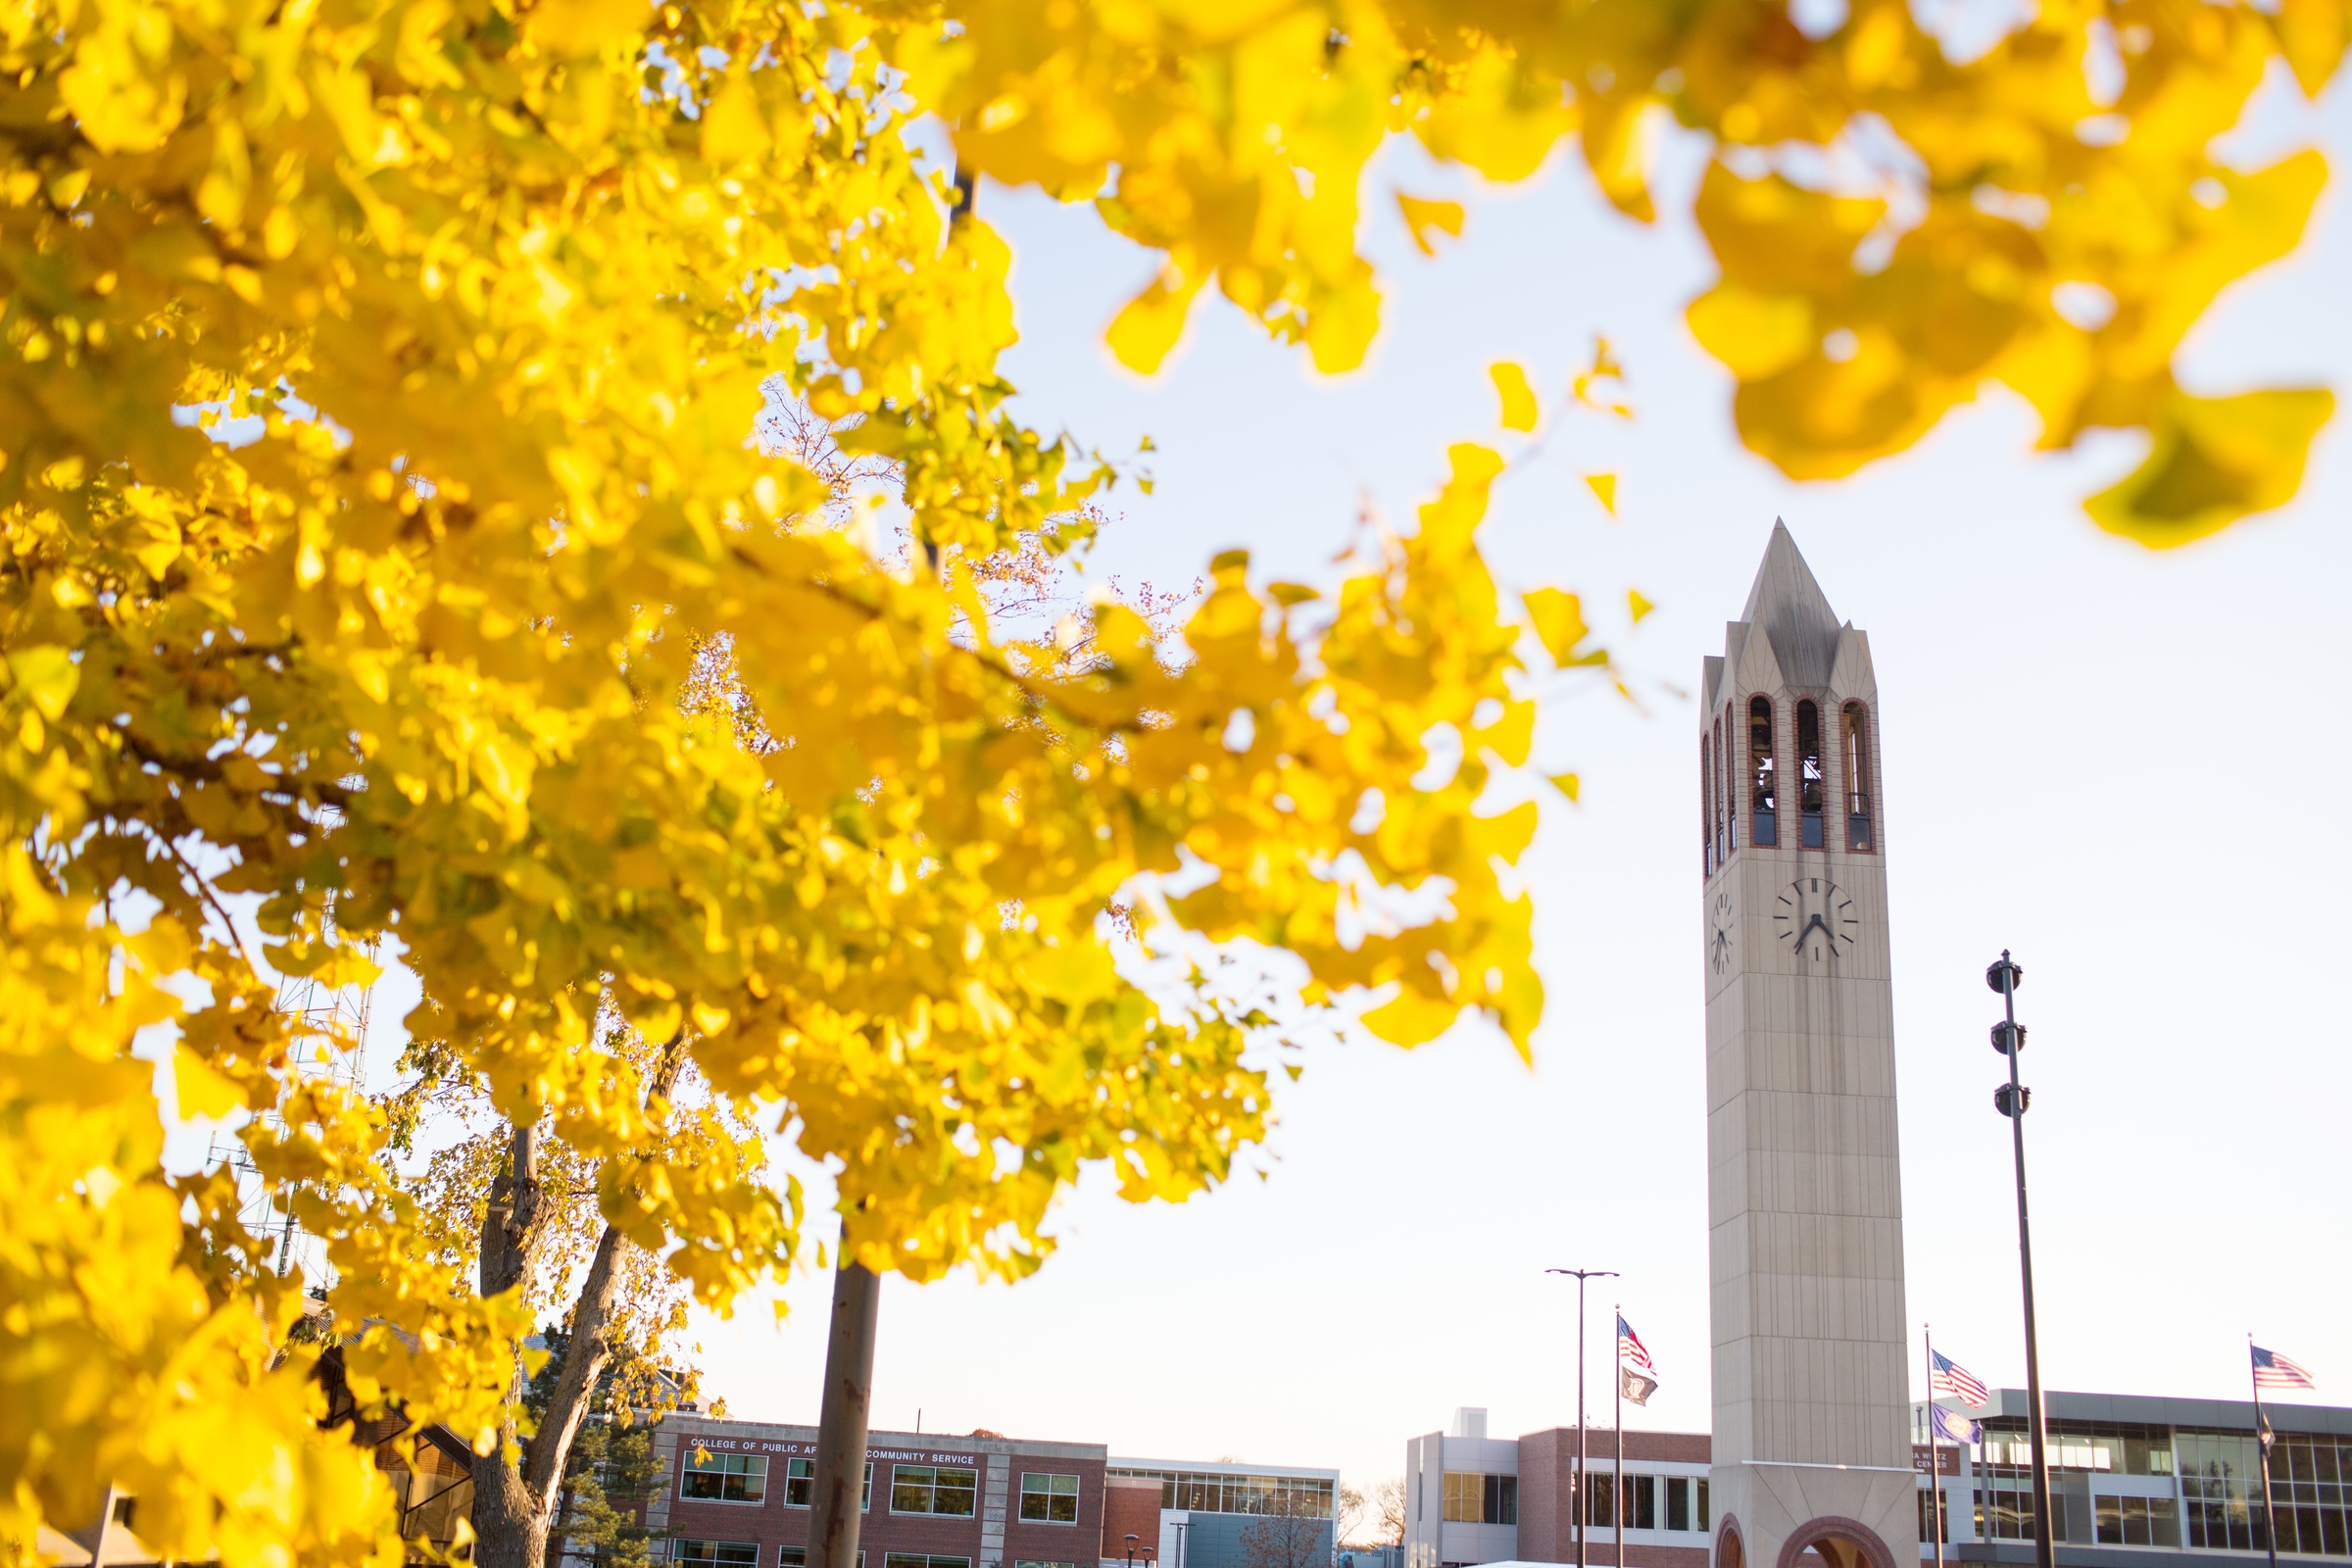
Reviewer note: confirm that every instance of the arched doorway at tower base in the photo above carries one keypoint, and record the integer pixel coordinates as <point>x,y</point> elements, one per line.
<point>1832,1542</point>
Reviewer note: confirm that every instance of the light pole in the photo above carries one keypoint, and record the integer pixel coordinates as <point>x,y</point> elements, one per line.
<point>1584,1500</point>
<point>2011,1099</point>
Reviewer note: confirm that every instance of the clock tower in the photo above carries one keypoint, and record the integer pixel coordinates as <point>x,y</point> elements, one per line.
<point>1812,1444</point>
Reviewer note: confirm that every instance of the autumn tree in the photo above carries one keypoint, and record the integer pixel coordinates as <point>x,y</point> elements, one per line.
<point>610,1473</point>
<point>1288,1532</point>
<point>1349,1509</point>
<point>1388,1508</point>
<point>504,288</point>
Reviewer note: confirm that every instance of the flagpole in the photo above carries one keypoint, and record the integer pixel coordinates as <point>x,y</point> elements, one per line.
<point>2261,1441</point>
<point>1927,1339</point>
<point>1583,1483</point>
<point>1617,1363</point>
<point>1980,1506</point>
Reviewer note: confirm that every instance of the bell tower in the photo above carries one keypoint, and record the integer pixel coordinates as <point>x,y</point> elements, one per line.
<point>1812,1442</point>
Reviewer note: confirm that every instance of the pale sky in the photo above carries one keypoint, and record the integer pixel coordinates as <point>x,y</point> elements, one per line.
<point>2113,762</point>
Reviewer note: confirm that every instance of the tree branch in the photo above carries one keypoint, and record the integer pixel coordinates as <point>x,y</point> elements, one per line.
<point>589,1352</point>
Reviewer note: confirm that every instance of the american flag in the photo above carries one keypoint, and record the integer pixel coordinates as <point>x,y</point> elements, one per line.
<point>2271,1371</point>
<point>1948,1376</point>
<point>1629,1346</point>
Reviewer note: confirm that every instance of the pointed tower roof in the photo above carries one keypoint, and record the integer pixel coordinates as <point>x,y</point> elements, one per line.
<point>1791,609</point>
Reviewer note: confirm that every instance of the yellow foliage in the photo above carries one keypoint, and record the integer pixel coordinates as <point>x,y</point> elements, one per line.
<point>423,662</point>
<point>1239,134</point>
<point>1519,410</point>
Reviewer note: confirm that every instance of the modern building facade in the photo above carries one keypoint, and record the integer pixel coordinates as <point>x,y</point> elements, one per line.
<point>1804,1192</point>
<point>2136,1482</point>
<point>1222,1513</point>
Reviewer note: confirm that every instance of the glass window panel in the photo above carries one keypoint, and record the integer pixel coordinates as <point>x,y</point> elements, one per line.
<point>1050,1499</point>
<point>910,1488</point>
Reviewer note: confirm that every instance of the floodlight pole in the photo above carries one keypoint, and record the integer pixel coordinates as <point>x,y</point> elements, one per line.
<point>1583,1501</point>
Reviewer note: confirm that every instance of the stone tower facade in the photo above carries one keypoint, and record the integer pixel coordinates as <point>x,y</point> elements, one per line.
<point>1805,1194</point>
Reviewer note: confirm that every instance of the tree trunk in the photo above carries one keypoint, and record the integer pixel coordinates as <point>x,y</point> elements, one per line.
<point>514,1504</point>
<point>511,1525</point>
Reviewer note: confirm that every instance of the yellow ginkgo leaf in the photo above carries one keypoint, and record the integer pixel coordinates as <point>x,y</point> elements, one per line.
<point>1146,327</point>
<point>1558,619</point>
<point>2214,461</point>
<point>1568,784</point>
<point>1519,410</point>
<point>1422,219</point>
<point>1411,1019</point>
<point>1604,486</point>
<point>732,129</point>
<point>1638,604</point>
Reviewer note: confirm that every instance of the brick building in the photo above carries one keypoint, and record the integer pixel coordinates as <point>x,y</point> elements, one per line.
<point>739,1493</point>
<point>1471,1499</point>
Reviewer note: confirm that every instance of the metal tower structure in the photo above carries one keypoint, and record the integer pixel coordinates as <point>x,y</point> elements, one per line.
<point>328,1030</point>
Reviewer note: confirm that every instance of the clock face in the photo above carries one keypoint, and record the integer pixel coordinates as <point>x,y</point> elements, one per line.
<point>1816,919</point>
<point>1720,926</point>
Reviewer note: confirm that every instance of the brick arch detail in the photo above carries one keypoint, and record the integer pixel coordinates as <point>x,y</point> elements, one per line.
<point>1839,1527</point>
<point>1726,1535</point>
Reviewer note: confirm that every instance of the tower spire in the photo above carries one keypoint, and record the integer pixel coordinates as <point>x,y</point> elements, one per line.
<point>1787,603</point>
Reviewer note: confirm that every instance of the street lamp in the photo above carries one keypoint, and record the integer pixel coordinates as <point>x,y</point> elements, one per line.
<point>2012,1099</point>
<point>1131,1540</point>
<point>1584,1501</point>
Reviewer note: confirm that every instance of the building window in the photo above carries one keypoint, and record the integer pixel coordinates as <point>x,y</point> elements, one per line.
<point>2006,1514</point>
<point>716,1553</point>
<point>932,1489</point>
<point>1707,808</point>
<point>1213,1491</point>
<point>798,1557</point>
<point>800,1485</point>
<point>1722,779</point>
<point>1811,780</point>
<point>1763,799</point>
<point>1857,777</point>
<point>916,1559</point>
<point>1050,1498</point>
<point>1704,1523</point>
<point>2221,1481</point>
<point>1026,1564</point>
<point>1472,1498</point>
<point>2142,1522</point>
<point>1638,1495</point>
<point>724,1477</point>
